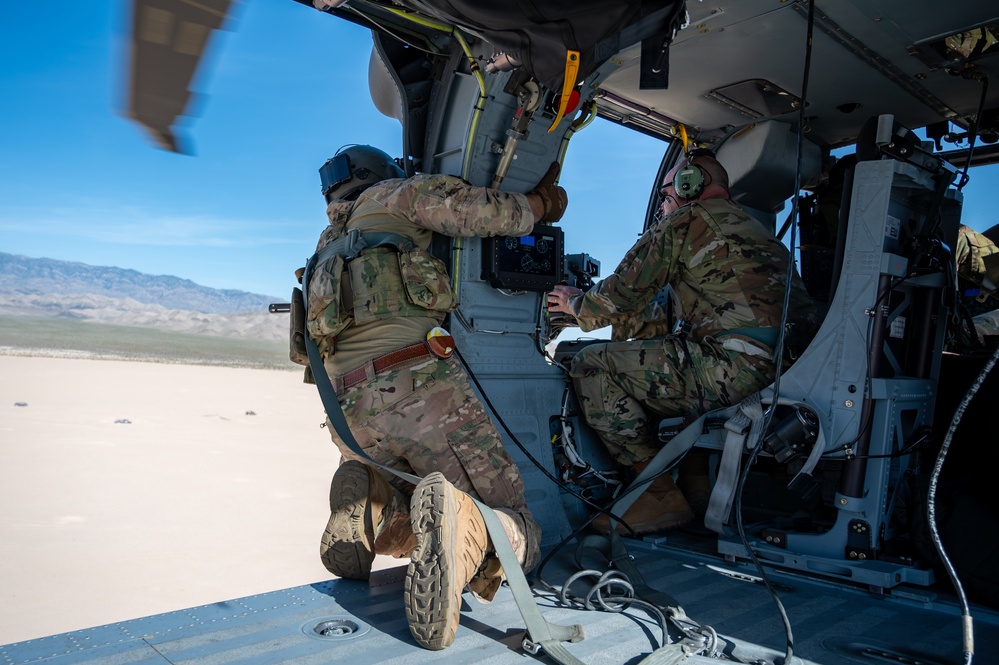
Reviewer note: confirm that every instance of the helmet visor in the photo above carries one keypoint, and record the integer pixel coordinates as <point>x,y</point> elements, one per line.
<point>335,171</point>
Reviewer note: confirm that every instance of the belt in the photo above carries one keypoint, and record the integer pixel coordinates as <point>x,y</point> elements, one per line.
<point>764,335</point>
<point>379,365</point>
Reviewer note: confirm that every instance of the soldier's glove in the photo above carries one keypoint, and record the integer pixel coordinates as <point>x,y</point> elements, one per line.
<point>552,196</point>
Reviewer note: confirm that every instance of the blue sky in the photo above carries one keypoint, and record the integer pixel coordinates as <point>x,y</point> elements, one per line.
<point>287,86</point>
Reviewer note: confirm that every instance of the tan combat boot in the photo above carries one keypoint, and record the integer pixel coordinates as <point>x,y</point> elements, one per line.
<point>661,506</point>
<point>366,514</point>
<point>451,544</point>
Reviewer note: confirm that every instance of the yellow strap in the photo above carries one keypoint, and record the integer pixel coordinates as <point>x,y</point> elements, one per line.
<point>568,84</point>
<point>683,138</point>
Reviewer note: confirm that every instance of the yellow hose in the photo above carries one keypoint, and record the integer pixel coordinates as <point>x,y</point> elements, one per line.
<point>473,128</point>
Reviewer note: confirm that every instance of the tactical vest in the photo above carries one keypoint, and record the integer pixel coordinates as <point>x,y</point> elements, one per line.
<point>360,277</point>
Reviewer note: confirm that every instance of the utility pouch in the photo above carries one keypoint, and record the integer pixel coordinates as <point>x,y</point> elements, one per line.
<point>326,313</point>
<point>425,279</point>
<point>376,286</point>
<point>296,341</point>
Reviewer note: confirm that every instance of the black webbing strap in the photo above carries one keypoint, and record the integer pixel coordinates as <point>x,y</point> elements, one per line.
<point>327,393</point>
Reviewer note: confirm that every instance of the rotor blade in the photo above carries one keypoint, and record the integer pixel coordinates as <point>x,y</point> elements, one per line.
<point>167,42</point>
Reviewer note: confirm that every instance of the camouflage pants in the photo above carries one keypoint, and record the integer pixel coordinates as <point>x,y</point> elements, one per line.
<point>424,418</point>
<point>623,388</point>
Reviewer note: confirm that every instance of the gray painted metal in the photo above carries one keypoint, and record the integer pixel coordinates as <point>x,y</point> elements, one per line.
<point>833,624</point>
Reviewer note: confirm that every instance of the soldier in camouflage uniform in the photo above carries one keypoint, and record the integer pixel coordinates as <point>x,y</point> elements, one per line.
<point>408,402</point>
<point>726,273</point>
<point>977,259</point>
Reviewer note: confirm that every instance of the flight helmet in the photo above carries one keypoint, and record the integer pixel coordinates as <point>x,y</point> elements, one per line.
<point>353,169</point>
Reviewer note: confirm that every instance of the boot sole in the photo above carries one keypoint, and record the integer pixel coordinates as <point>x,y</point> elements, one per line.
<point>344,547</point>
<point>432,592</point>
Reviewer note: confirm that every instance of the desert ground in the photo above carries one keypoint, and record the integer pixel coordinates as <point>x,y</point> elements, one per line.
<point>134,488</point>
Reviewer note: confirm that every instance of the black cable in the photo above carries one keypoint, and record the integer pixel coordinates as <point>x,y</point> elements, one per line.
<point>910,448</point>
<point>528,454</point>
<point>967,627</point>
<point>973,132</point>
<point>779,361</point>
<point>624,602</point>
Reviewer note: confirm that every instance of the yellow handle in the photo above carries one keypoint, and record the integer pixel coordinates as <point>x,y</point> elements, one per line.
<point>568,84</point>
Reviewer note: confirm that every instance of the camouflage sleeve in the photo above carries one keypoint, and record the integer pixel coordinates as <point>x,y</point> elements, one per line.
<point>987,324</point>
<point>451,206</point>
<point>976,258</point>
<point>642,273</point>
<point>651,323</point>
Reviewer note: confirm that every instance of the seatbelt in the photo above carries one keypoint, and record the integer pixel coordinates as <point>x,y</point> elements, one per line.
<point>748,416</point>
<point>671,452</point>
<point>670,654</point>
<point>744,427</point>
<point>543,635</point>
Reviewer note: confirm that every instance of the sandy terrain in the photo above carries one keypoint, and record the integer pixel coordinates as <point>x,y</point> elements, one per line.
<point>192,501</point>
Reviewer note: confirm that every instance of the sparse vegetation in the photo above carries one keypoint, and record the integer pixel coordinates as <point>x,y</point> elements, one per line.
<point>58,337</point>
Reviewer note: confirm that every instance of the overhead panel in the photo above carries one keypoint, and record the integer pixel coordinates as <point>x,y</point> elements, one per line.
<point>861,66</point>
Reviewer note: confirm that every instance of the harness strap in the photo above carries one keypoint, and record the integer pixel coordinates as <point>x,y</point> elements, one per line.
<point>541,635</point>
<point>748,416</point>
<point>355,241</point>
<point>744,427</point>
<point>667,455</point>
<point>670,654</point>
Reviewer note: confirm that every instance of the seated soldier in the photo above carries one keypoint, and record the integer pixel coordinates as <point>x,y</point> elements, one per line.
<point>727,274</point>
<point>977,259</point>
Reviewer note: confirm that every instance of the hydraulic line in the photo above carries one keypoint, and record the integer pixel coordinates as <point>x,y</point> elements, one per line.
<point>588,114</point>
<point>466,161</point>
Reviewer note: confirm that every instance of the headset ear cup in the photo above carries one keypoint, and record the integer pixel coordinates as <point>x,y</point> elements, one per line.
<point>689,182</point>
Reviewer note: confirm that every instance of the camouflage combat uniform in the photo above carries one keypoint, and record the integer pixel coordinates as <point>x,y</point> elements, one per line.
<point>977,260</point>
<point>421,416</point>
<point>726,274</point>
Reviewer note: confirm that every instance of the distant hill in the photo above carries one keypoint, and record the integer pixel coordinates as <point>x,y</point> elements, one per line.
<point>70,290</point>
<point>22,275</point>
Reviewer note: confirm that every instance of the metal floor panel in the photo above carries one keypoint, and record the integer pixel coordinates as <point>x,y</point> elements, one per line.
<point>832,625</point>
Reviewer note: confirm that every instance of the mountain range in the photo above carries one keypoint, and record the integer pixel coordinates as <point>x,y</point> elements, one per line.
<point>67,289</point>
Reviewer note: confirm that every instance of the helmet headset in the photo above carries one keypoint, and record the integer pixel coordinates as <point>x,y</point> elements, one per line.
<point>353,169</point>
<point>689,181</point>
